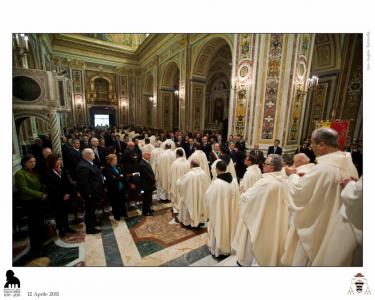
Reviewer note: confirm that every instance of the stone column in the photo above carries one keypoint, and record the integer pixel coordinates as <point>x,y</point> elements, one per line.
<point>272,72</point>
<point>34,130</point>
<point>16,151</point>
<point>55,132</point>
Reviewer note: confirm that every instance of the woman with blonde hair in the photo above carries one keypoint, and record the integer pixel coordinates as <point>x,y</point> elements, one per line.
<point>116,187</point>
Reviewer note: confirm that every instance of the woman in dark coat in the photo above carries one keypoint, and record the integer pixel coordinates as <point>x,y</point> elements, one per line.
<point>59,192</point>
<point>116,187</point>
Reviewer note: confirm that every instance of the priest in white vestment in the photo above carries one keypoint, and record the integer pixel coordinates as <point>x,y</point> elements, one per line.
<point>222,199</point>
<point>164,164</point>
<point>201,157</point>
<point>147,147</point>
<point>342,246</point>
<point>302,163</point>
<point>154,157</point>
<point>192,187</point>
<point>252,174</point>
<point>168,142</point>
<point>316,199</point>
<point>264,211</point>
<point>179,168</point>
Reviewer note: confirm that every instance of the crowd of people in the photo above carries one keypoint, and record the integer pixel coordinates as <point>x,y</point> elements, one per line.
<point>269,210</point>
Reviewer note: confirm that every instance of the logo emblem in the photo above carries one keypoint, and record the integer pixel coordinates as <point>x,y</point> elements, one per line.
<point>12,285</point>
<point>359,285</point>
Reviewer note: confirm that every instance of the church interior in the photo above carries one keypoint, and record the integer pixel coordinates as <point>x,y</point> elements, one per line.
<point>249,89</point>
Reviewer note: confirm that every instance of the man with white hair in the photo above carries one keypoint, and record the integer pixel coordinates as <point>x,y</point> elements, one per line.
<point>316,198</point>
<point>302,163</point>
<point>147,183</point>
<point>90,186</point>
<point>263,224</point>
<point>179,168</point>
<point>193,186</point>
<point>99,159</point>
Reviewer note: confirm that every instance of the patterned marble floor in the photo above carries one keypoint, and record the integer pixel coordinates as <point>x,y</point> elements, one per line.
<point>136,241</point>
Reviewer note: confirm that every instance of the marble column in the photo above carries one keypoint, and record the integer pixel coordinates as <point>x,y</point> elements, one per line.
<point>16,151</point>
<point>55,132</point>
<point>34,130</point>
<point>272,72</point>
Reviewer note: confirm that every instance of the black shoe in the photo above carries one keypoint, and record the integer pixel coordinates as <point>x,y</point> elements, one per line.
<point>70,230</point>
<point>118,218</point>
<point>238,264</point>
<point>148,214</point>
<point>165,201</point>
<point>93,231</point>
<point>152,210</point>
<point>176,220</point>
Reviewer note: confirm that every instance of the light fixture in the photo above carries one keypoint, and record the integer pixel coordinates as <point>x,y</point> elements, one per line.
<point>313,82</point>
<point>176,93</point>
<point>151,99</point>
<point>78,100</point>
<point>124,103</point>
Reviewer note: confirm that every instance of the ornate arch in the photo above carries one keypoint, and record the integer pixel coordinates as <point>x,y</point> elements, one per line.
<point>24,115</point>
<point>206,52</point>
<point>169,74</point>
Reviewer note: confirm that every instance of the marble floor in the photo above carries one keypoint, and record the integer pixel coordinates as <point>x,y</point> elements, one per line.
<point>135,241</point>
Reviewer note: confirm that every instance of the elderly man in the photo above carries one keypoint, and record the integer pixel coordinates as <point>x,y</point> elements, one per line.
<point>147,182</point>
<point>263,224</point>
<point>192,187</point>
<point>90,186</point>
<point>302,164</point>
<point>316,199</point>
<point>222,198</point>
<point>179,168</point>
<point>99,152</point>
<point>252,175</point>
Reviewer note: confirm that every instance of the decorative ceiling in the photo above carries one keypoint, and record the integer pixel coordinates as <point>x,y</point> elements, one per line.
<point>128,40</point>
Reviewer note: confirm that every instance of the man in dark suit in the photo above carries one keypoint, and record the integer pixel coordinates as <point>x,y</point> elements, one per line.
<point>206,147</point>
<point>258,154</point>
<point>90,186</point>
<point>240,143</point>
<point>99,159</point>
<point>356,157</point>
<point>189,148</point>
<point>147,183</point>
<point>237,157</point>
<point>307,150</point>
<point>73,157</point>
<point>275,149</point>
<point>120,145</point>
